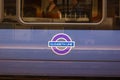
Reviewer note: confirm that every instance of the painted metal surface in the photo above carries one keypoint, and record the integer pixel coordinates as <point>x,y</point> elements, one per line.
<point>26,52</point>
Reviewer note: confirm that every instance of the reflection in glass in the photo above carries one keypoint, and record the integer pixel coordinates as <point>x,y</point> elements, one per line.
<point>9,10</point>
<point>1,10</point>
<point>73,11</point>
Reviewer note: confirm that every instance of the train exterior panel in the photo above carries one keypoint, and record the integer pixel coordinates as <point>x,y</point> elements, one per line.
<point>78,49</point>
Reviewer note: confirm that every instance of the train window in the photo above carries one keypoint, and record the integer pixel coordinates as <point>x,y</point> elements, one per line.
<point>60,11</point>
<point>1,9</point>
<point>10,10</point>
<point>117,13</point>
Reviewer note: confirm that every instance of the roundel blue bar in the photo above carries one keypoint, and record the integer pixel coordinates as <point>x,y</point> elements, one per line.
<point>61,44</point>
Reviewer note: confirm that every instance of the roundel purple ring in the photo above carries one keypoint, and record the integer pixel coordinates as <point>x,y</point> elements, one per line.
<point>63,41</point>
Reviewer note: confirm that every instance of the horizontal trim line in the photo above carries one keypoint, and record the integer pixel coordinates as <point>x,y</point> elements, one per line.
<point>44,48</point>
<point>64,61</point>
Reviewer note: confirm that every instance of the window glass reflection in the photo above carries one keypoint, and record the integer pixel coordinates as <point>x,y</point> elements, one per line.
<point>61,10</point>
<point>0,10</point>
<point>9,10</point>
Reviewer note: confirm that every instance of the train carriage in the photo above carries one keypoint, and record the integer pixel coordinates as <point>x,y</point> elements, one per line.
<point>78,40</point>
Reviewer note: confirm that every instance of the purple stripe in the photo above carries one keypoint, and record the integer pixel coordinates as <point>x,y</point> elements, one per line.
<point>61,51</point>
<point>61,36</point>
